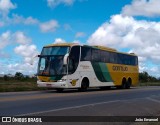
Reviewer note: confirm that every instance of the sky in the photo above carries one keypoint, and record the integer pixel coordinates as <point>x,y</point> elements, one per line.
<point>126,25</point>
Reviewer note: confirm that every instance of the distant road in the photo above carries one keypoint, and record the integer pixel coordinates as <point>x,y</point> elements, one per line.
<point>139,101</point>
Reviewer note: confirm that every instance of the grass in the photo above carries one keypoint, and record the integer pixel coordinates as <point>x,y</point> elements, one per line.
<point>19,86</point>
<point>149,84</point>
<point>14,86</point>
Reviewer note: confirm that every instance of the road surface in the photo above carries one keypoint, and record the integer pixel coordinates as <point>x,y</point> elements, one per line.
<point>138,101</point>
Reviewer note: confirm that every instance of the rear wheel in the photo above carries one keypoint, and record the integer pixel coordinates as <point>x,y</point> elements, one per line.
<point>123,85</point>
<point>128,84</point>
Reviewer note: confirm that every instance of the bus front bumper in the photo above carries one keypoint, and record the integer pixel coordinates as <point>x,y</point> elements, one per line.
<point>62,84</point>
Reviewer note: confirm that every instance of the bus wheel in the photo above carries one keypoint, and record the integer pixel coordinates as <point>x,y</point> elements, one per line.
<point>59,89</point>
<point>128,84</point>
<point>84,85</point>
<point>123,86</point>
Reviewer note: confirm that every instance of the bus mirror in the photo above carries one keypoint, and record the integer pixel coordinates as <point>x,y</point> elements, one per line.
<point>32,59</point>
<point>65,59</point>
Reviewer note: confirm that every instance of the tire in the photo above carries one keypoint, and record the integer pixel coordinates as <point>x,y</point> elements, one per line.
<point>84,85</point>
<point>59,89</point>
<point>128,85</point>
<point>123,86</point>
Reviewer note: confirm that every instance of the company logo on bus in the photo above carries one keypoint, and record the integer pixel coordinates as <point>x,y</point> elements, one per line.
<point>120,68</point>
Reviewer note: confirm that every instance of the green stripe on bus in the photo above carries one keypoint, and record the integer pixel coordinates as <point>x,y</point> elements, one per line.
<point>98,71</point>
<point>101,72</point>
<point>105,72</point>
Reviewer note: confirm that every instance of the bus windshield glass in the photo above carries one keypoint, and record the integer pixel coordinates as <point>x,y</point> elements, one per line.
<point>55,50</point>
<point>51,61</point>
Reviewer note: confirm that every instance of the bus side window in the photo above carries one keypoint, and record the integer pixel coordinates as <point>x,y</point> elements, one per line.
<point>85,54</point>
<point>73,59</point>
<point>96,55</point>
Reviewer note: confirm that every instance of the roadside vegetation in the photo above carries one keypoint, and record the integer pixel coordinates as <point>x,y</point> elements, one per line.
<point>146,80</point>
<point>20,82</point>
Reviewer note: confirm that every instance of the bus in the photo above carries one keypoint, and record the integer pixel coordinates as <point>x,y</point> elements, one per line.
<point>70,65</point>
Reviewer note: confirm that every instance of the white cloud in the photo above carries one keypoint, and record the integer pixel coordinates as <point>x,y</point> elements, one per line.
<point>21,38</point>
<point>24,68</point>
<point>140,36</point>
<point>20,19</point>
<point>59,40</point>
<point>49,26</point>
<point>152,70</point>
<point>6,6</point>
<point>80,34</point>
<point>5,39</point>
<point>26,51</point>
<point>67,27</point>
<point>54,3</point>
<point>148,8</point>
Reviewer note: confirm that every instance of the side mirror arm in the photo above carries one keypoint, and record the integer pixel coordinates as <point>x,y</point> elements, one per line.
<point>65,59</point>
<point>32,59</point>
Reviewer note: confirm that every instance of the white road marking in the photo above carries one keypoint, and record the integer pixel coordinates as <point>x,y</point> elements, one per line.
<point>154,100</point>
<point>66,108</point>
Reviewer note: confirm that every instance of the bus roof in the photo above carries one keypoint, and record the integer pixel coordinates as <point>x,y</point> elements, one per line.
<point>95,46</point>
<point>61,44</point>
<point>105,48</point>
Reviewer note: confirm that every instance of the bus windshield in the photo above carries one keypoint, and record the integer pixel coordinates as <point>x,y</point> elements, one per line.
<point>51,61</point>
<point>55,50</point>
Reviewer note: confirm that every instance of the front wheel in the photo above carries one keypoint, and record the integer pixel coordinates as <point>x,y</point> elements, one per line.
<point>84,85</point>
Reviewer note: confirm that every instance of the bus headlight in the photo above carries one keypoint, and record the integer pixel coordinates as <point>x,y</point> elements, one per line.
<point>62,80</point>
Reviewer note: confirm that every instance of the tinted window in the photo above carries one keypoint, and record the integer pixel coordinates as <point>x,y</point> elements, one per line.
<point>85,54</point>
<point>96,57</point>
<point>73,59</point>
<point>104,56</point>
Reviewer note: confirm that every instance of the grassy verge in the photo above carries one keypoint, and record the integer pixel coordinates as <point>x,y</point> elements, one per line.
<point>32,86</point>
<point>20,86</point>
<point>149,84</point>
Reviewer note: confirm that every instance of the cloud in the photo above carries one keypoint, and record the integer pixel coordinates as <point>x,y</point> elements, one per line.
<point>139,36</point>
<point>59,40</point>
<point>49,26</point>
<point>54,3</point>
<point>8,38</point>
<point>16,19</point>
<point>80,34</point>
<point>24,68</point>
<point>67,27</point>
<point>6,6</point>
<point>21,38</point>
<point>148,8</point>
<point>26,51</point>
<point>5,39</point>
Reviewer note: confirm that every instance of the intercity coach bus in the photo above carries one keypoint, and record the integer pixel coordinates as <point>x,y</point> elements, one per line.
<point>70,65</point>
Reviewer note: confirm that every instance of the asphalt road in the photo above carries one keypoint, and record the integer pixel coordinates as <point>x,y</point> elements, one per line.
<point>139,101</point>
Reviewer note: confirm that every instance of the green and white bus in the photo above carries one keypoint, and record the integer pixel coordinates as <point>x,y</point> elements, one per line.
<point>63,66</point>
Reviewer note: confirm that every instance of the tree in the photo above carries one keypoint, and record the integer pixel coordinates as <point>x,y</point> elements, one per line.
<point>19,76</point>
<point>5,77</point>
